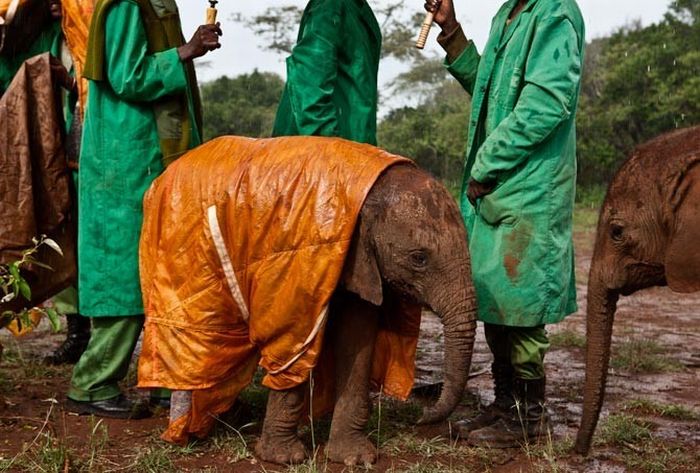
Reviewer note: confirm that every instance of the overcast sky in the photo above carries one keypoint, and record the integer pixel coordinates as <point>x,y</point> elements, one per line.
<point>240,51</point>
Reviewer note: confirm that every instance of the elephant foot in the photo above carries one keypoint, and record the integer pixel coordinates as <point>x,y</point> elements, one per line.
<point>352,450</point>
<point>283,451</point>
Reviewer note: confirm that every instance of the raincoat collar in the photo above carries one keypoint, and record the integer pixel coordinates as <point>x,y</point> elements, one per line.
<point>508,30</point>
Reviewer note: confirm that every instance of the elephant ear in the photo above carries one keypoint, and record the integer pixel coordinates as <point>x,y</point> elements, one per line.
<point>683,252</point>
<point>361,272</point>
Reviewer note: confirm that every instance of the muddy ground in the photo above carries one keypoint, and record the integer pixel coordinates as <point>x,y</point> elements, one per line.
<point>650,423</point>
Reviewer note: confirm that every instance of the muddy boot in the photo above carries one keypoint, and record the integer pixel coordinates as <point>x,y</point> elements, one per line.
<point>75,343</point>
<point>503,388</point>
<point>526,421</point>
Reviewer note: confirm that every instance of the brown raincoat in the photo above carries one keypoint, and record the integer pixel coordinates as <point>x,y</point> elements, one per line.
<point>34,178</point>
<point>242,247</point>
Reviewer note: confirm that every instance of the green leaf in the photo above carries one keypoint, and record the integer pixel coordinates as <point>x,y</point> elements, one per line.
<point>54,319</point>
<point>53,245</point>
<point>24,289</point>
<point>14,270</point>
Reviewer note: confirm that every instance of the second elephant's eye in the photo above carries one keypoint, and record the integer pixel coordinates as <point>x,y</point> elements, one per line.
<point>419,259</point>
<point>617,232</point>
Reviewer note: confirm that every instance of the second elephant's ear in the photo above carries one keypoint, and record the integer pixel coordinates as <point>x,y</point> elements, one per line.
<point>683,251</point>
<point>361,272</point>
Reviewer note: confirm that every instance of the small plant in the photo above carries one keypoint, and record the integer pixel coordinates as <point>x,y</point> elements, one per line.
<point>624,430</point>
<point>13,285</point>
<point>643,356</point>
<point>649,407</point>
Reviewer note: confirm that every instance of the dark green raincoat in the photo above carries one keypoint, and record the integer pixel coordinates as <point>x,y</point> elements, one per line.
<point>119,159</point>
<point>48,40</point>
<point>522,135</point>
<point>331,85</point>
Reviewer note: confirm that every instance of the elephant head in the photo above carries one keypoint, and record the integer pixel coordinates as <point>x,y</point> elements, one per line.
<point>647,236</point>
<point>411,239</point>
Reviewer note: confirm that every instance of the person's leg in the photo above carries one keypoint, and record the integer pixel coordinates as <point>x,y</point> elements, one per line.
<point>527,419</point>
<point>78,334</point>
<point>497,338</point>
<point>95,382</point>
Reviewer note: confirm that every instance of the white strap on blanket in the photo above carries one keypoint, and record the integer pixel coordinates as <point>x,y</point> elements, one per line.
<point>10,14</point>
<point>319,322</point>
<point>225,260</point>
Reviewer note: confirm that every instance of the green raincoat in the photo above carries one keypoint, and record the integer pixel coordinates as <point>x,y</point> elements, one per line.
<point>522,136</point>
<point>48,40</point>
<point>120,157</point>
<point>331,85</point>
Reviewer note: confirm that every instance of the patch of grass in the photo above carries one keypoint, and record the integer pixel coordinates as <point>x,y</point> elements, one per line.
<point>567,339</point>
<point>643,356</point>
<point>46,454</point>
<point>435,447</point>
<point>410,443</point>
<point>99,436</point>
<point>656,457</point>
<point>154,459</point>
<point>434,467</point>
<point>232,444</point>
<point>649,407</point>
<point>396,417</point>
<point>623,430</point>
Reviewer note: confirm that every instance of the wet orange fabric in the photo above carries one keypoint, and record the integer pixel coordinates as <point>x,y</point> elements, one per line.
<point>76,26</point>
<point>5,5</point>
<point>242,247</point>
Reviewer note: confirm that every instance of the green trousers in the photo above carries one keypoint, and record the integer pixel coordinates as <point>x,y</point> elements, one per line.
<point>106,360</point>
<point>523,347</point>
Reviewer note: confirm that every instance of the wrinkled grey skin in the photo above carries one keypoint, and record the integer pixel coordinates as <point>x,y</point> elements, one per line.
<point>409,244</point>
<point>648,235</point>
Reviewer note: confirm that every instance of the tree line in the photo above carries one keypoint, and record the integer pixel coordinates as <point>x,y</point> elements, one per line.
<point>637,83</point>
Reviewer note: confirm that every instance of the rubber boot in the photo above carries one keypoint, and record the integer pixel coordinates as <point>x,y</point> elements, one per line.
<point>503,374</point>
<point>527,419</point>
<point>75,343</point>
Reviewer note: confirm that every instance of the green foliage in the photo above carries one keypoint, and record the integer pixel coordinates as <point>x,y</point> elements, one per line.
<point>14,285</point>
<point>432,133</point>
<point>637,84</point>
<point>244,106</point>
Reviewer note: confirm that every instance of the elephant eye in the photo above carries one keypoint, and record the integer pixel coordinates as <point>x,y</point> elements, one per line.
<point>616,232</point>
<point>419,258</point>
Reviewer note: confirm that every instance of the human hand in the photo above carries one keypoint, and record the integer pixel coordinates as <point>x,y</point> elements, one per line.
<point>204,40</point>
<point>61,76</point>
<point>477,190</point>
<point>444,14</point>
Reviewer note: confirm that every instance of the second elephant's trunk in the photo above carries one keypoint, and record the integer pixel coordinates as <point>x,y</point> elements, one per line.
<point>460,329</point>
<point>602,303</point>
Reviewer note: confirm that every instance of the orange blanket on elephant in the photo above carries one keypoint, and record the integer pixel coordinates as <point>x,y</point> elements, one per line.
<point>242,247</point>
<point>76,26</point>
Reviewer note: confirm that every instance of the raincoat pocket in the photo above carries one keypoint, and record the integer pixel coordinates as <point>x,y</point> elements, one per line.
<point>497,210</point>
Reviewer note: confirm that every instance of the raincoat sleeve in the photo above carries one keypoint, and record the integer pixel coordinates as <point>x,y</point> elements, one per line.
<point>312,69</point>
<point>134,74</point>
<point>462,59</point>
<point>551,82</point>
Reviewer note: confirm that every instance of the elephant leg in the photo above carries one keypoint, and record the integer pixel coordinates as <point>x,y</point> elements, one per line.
<point>279,442</point>
<point>353,330</point>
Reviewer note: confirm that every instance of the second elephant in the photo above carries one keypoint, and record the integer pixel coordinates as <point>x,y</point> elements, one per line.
<point>648,234</point>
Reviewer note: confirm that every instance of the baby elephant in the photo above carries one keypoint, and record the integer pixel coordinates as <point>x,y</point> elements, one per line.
<point>310,257</point>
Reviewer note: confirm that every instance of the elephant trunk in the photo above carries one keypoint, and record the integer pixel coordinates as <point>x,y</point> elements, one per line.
<point>602,303</point>
<point>459,321</point>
